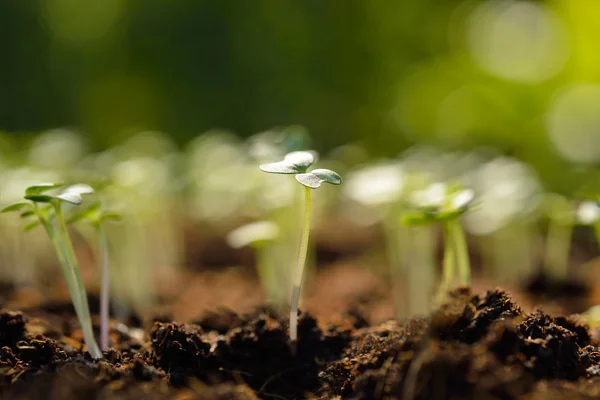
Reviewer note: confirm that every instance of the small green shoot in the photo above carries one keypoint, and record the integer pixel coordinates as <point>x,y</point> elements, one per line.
<point>48,210</point>
<point>297,163</point>
<point>445,204</point>
<point>561,220</point>
<point>96,215</point>
<point>259,235</point>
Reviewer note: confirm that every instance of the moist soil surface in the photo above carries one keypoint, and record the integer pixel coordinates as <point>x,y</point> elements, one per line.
<point>475,346</point>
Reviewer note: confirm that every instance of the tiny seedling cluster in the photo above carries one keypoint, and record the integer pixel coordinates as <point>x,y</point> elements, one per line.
<point>47,210</point>
<point>411,204</point>
<point>442,203</point>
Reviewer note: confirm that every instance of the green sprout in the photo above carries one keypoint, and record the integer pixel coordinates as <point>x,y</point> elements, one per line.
<point>48,210</point>
<point>297,163</point>
<point>445,204</point>
<point>259,235</point>
<point>95,215</point>
<point>561,220</point>
<point>588,214</point>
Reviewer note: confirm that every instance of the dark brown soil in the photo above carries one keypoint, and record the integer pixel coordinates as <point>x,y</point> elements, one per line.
<point>474,347</point>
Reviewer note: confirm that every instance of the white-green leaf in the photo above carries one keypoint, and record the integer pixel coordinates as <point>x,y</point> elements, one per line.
<point>15,207</point>
<point>73,194</point>
<point>315,178</point>
<point>41,188</point>
<point>254,233</point>
<point>296,162</point>
<point>462,199</point>
<point>327,175</point>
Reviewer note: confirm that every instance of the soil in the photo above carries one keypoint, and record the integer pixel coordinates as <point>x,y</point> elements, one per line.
<point>481,346</point>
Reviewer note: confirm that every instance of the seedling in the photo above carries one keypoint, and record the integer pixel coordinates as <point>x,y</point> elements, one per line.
<point>588,214</point>
<point>258,235</point>
<point>561,220</point>
<point>95,215</point>
<point>297,163</point>
<point>48,210</point>
<point>445,204</point>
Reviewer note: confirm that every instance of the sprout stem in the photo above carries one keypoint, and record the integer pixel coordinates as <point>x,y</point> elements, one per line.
<point>558,246</point>
<point>597,231</point>
<point>462,252</point>
<point>421,277</point>
<point>74,281</point>
<point>449,265</point>
<point>105,287</point>
<point>300,269</point>
<point>394,238</point>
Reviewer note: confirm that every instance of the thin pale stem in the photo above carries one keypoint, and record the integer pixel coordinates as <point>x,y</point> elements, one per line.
<point>76,286</point>
<point>267,275</point>
<point>449,266</point>
<point>462,253</point>
<point>105,288</point>
<point>421,277</point>
<point>597,232</point>
<point>558,246</point>
<point>394,233</point>
<point>300,268</point>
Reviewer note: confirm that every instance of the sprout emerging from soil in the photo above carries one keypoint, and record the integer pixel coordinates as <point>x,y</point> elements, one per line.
<point>445,204</point>
<point>95,215</point>
<point>48,210</point>
<point>259,235</point>
<point>297,163</point>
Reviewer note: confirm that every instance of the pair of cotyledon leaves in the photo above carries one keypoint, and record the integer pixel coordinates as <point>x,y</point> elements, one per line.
<point>297,163</point>
<point>72,194</point>
<point>438,202</point>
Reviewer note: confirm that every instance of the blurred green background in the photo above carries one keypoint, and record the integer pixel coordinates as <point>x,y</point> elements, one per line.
<point>520,76</point>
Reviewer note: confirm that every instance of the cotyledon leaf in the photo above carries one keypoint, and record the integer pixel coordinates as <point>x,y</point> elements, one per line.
<point>41,188</point>
<point>315,178</point>
<point>296,162</point>
<point>15,207</point>
<point>73,193</point>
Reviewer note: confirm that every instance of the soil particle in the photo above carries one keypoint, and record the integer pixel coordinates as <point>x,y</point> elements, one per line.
<point>12,327</point>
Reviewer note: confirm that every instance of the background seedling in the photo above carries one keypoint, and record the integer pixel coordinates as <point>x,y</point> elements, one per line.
<point>445,204</point>
<point>561,219</point>
<point>259,235</point>
<point>95,215</point>
<point>297,163</point>
<point>48,210</point>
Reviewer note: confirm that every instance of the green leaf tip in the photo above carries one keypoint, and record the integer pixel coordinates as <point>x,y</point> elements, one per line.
<point>96,214</point>
<point>27,214</point>
<point>315,178</point>
<point>296,162</point>
<point>31,225</point>
<point>439,202</point>
<point>15,207</point>
<point>41,188</point>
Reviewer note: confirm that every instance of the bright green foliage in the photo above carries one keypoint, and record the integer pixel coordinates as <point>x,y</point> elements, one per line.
<point>50,216</point>
<point>95,215</point>
<point>445,204</point>
<point>71,194</point>
<point>439,202</point>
